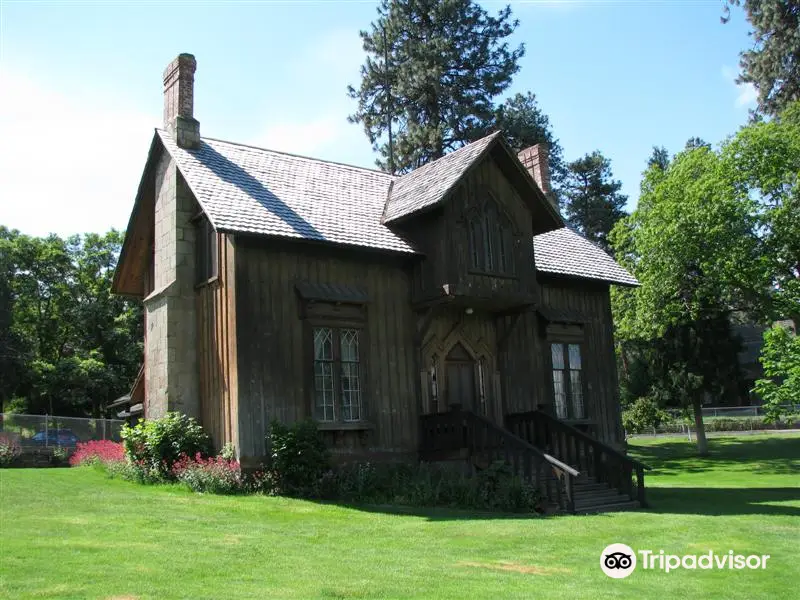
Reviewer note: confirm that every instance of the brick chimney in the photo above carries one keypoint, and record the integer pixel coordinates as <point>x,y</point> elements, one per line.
<point>536,162</point>
<point>179,101</point>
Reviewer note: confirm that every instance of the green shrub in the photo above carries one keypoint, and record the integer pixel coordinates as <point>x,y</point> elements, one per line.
<point>298,458</point>
<point>643,415</point>
<point>426,485</point>
<point>153,446</point>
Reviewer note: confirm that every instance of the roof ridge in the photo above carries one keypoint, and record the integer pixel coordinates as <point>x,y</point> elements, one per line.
<point>484,139</point>
<point>294,155</point>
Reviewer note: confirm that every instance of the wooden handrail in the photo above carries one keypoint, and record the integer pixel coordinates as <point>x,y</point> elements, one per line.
<point>596,459</point>
<point>521,443</point>
<point>464,430</point>
<point>577,432</point>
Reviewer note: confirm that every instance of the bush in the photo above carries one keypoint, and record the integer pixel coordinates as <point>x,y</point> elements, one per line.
<point>298,458</point>
<point>155,445</point>
<point>425,485</point>
<point>10,450</point>
<point>215,475</point>
<point>97,451</point>
<point>643,415</point>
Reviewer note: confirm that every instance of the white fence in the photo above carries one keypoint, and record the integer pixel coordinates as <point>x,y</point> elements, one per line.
<point>46,431</point>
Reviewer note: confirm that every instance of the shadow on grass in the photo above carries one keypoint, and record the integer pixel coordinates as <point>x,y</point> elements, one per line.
<point>761,456</point>
<point>437,514</point>
<point>723,501</point>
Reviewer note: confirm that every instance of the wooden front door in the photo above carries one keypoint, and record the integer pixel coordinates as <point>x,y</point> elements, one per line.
<point>460,378</point>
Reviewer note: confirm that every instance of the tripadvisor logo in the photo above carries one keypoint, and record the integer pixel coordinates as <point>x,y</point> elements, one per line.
<point>618,561</point>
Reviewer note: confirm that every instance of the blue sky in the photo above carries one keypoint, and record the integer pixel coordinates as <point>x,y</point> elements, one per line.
<point>80,87</point>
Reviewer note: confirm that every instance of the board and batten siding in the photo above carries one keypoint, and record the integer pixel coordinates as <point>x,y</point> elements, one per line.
<point>217,352</point>
<point>527,377</point>
<point>275,350</point>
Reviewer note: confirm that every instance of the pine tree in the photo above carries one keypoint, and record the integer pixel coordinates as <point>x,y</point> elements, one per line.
<point>773,64</point>
<point>433,68</point>
<point>659,158</point>
<point>593,200</point>
<point>524,124</point>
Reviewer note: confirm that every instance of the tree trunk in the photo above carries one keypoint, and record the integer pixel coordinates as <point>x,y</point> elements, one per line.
<point>700,428</point>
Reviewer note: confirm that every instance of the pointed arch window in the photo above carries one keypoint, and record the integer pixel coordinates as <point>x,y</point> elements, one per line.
<point>491,240</point>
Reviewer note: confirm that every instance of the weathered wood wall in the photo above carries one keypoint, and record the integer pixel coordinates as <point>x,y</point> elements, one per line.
<point>527,380</point>
<point>274,346</point>
<point>488,178</point>
<point>217,349</point>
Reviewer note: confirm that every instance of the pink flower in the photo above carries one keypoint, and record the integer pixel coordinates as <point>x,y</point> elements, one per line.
<point>105,451</point>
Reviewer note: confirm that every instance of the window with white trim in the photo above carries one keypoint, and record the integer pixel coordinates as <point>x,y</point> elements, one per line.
<point>337,374</point>
<point>567,381</point>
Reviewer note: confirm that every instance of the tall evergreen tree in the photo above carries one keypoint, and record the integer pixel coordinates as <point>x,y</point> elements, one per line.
<point>432,70</point>
<point>696,142</point>
<point>524,124</point>
<point>593,200</point>
<point>659,158</point>
<point>773,64</point>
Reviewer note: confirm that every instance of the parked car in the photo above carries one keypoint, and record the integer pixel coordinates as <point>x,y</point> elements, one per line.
<point>55,437</point>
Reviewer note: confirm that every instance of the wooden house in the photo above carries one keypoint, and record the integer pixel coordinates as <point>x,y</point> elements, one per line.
<point>444,313</point>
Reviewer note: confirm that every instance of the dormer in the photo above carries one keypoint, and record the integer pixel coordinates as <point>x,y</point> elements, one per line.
<point>473,213</point>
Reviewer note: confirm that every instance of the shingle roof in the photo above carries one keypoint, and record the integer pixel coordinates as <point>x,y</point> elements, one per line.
<point>251,190</point>
<point>243,189</point>
<point>430,183</point>
<point>566,252</point>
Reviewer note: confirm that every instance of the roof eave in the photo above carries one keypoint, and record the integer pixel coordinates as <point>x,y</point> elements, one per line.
<point>117,286</point>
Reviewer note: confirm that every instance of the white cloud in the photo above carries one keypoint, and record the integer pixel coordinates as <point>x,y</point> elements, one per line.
<point>69,162</point>
<point>746,93</point>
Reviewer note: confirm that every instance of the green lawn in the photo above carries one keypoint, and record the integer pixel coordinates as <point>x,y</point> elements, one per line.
<point>76,534</point>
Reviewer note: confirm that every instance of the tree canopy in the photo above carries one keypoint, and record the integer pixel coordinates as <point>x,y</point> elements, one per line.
<point>67,345</point>
<point>772,65</point>
<point>524,124</point>
<point>593,202</point>
<point>433,69</point>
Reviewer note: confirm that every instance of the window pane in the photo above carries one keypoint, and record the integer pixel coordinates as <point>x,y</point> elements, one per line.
<point>576,390</point>
<point>488,224</point>
<point>474,237</point>
<point>348,342</point>
<point>560,394</point>
<point>211,270</point>
<point>323,343</point>
<point>557,351</point>
<point>323,390</point>
<point>350,382</point>
<point>351,392</point>
<point>574,356</point>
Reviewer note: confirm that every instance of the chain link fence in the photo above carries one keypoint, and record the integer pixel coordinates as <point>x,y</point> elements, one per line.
<point>723,419</point>
<point>46,431</point>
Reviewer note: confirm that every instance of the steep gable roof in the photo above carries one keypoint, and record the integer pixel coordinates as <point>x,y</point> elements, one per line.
<point>251,190</point>
<point>429,184</point>
<point>566,252</point>
<point>248,190</point>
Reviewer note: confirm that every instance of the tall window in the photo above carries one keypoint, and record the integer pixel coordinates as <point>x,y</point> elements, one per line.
<point>491,240</point>
<point>567,381</point>
<point>337,374</point>
<point>206,248</point>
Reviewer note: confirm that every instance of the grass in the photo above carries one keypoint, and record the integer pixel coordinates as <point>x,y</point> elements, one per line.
<point>76,534</point>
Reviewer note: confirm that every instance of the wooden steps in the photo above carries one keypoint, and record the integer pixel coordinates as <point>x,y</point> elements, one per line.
<point>593,497</point>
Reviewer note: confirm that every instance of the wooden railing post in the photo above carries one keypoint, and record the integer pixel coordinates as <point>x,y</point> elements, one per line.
<point>640,487</point>
<point>570,494</point>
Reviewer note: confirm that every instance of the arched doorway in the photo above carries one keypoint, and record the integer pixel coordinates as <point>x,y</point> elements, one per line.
<point>459,372</point>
